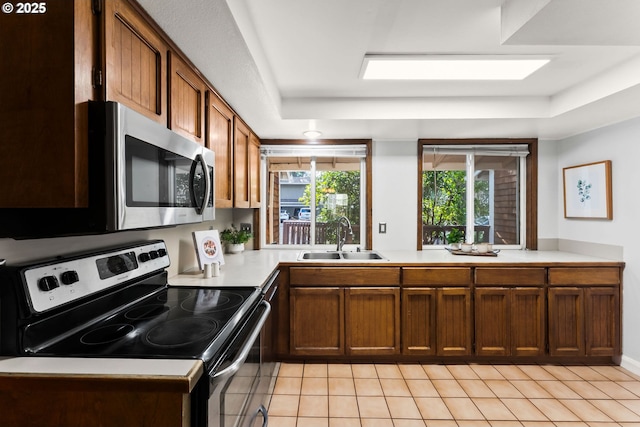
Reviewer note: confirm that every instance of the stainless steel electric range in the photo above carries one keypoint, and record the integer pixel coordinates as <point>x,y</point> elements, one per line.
<point>117,302</point>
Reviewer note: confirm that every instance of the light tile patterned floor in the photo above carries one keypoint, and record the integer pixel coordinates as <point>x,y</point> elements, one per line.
<point>413,395</point>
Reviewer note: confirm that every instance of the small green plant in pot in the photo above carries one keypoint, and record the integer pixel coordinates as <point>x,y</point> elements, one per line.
<point>454,238</point>
<point>235,239</point>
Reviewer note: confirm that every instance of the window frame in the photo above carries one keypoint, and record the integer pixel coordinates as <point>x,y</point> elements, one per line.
<point>531,181</point>
<point>368,208</point>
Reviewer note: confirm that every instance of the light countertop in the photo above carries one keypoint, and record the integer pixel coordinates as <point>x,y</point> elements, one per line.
<point>112,367</point>
<point>253,268</point>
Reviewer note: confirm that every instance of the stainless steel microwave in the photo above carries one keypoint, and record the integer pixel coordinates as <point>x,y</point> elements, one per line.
<point>154,177</point>
<point>140,175</point>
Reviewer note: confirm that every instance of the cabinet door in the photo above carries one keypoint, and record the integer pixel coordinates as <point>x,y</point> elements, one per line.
<point>187,96</point>
<point>220,140</point>
<point>419,321</point>
<point>317,321</point>
<point>527,321</point>
<point>602,326</point>
<point>254,171</point>
<point>372,321</point>
<point>135,61</point>
<point>242,136</point>
<point>492,321</point>
<point>454,322</point>
<point>566,321</point>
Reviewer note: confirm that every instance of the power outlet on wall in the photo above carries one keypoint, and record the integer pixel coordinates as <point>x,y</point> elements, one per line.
<point>245,226</point>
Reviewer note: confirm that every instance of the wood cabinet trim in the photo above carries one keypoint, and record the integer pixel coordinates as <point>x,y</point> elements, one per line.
<point>574,276</point>
<point>429,276</point>
<point>510,276</point>
<point>344,276</point>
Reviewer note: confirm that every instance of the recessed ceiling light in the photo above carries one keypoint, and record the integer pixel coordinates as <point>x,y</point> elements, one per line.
<point>312,134</point>
<point>450,67</point>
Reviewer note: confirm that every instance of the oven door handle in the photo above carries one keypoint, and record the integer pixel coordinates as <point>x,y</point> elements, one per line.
<point>246,347</point>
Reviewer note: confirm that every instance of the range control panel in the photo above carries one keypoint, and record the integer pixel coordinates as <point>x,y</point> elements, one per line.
<point>55,283</point>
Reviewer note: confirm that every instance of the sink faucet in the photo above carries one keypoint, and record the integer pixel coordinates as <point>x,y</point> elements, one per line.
<point>342,239</point>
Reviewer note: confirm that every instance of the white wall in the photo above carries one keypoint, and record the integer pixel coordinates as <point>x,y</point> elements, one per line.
<point>395,194</point>
<point>547,191</point>
<point>620,144</point>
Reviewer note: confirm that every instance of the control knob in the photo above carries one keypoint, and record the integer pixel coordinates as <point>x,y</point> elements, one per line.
<point>144,257</point>
<point>154,254</point>
<point>69,277</point>
<point>48,283</point>
<point>162,252</point>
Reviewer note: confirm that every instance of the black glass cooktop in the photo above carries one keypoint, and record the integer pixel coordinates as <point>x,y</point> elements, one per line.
<point>177,322</point>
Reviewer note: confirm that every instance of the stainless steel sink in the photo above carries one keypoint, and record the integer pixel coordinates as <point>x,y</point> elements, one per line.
<point>361,255</point>
<point>320,255</point>
<point>340,256</point>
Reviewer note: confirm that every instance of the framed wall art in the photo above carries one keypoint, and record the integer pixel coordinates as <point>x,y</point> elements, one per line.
<point>587,191</point>
<point>208,247</point>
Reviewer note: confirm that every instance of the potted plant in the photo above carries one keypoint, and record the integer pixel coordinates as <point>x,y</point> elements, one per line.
<point>235,239</point>
<point>454,238</point>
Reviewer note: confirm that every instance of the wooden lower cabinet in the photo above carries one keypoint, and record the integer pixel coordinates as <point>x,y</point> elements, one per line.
<point>335,321</point>
<point>509,321</point>
<point>602,321</point>
<point>453,322</point>
<point>372,321</point>
<point>436,321</point>
<point>584,321</point>
<point>40,400</point>
<point>317,321</point>
<point>566,321</point>
<point>419,321</point>
<point>584,311</point>
<point>543,314</point>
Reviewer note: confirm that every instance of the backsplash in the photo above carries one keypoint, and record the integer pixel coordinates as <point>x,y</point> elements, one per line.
<point>178,239</point>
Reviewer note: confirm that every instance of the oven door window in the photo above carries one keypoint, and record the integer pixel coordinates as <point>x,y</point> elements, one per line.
<point>156,177</point>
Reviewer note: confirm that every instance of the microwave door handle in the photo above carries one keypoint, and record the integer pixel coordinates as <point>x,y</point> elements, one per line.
<point>208,184</point>
<point>200,205</point>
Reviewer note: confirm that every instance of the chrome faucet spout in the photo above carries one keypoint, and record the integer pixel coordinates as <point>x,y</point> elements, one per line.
<point>342,239</point>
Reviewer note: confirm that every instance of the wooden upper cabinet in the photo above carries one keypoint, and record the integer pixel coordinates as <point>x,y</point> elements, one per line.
<point>187,101</point>
<point>246,177</point>
<point>254,171</point>
<point>135,58</point>
<point>242,136</point>
<point>45,83</point>
<point>220,140</point>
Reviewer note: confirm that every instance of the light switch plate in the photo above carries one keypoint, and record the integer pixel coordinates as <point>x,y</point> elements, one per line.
<point>245,226</point>
<point>382,227</point>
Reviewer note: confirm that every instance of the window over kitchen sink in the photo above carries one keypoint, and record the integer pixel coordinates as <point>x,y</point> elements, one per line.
<point>315,188</point>
<point>478,191</point>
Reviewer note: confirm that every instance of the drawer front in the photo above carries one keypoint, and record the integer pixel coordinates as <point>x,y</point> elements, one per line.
<point>344,276</point>
<point>420,276</point>
<point>584,276</point>
<point>510,276</point>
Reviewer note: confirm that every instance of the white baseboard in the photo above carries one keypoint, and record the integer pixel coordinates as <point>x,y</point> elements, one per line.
<point>630,365</point>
